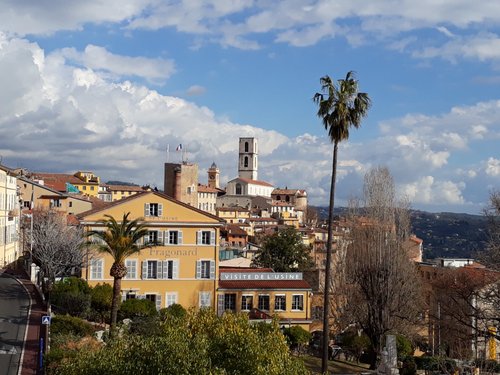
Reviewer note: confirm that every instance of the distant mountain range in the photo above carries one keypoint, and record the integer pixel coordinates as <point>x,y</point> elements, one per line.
<point>445,234</point>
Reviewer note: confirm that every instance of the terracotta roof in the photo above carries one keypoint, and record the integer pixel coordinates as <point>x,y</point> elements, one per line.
<point>262,219</point>
<point>284,204</point>
<point>234,230</point>
<point>207,189</point>
<point>253,182</point>
<point>58,181</point>
<point>235,208</point>
<point>297,192</point>
<point>135,196</point>
<point>124,187</point>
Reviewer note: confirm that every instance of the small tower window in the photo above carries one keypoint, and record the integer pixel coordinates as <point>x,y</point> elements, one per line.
<point>246,161</point>
<point>246,146</point>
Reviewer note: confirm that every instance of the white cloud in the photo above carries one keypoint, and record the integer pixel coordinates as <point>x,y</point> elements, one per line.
<point>196,90</point>
<point>99,59</point>
<point>493,167</point>
<point>62,118</point>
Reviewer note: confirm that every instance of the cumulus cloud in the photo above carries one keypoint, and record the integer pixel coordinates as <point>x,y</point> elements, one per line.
<point>99,59</point>
<point>60,117</point>
<point>195,90</point>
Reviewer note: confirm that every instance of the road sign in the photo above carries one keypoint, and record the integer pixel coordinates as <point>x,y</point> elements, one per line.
<point>46,319</point>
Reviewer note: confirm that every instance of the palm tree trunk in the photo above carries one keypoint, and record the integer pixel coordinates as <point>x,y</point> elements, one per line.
<point>326,296</point>
<point>115,304</point>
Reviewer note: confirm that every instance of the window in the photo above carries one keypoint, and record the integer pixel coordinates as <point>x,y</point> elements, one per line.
<point>96,267</point>
<point>70,204</point>
<point>153,209</point>
<point>130,295</point>
<point>171,299</point>
<point>205,299</point>
<point>92,188</point>
<point>264,302</point>
<point>174,237</point>
<point>131,265</point>
<point>246,302</point>
<point>154,237</point>
<point>84,187</point>
<point>157,269</point>
<point>152,269</point>
<point>205,269</point>
<point>156,299</point>
<point>246,146</point>
<point>238,189</point>
<point>230,301</point>
<point>245,163</point>
<point>280,302</point>
<point>205,237</point>
<point>298,302</point>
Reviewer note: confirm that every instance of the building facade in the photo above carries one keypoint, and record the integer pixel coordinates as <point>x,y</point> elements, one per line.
<point>9,217</point>
<point>247,158</point>
<point>181,182</point>
<point>182,269</point>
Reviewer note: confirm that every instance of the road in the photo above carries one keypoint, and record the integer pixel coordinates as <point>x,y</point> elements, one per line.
<point>14,304</point>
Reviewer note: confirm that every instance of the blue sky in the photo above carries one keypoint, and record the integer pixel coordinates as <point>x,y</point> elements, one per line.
<point>106,86</point>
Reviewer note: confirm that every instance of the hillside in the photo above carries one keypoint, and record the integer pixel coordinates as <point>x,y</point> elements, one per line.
<point>445,234</point>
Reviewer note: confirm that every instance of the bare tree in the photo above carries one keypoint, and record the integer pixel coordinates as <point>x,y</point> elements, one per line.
<point>491,257</point>
<point>383,290</point>
<point>58,248</point>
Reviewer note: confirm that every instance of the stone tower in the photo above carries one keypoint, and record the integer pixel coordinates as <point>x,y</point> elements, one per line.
<point>213,176</point>
<point>181,182</point>
<point>247,161</point>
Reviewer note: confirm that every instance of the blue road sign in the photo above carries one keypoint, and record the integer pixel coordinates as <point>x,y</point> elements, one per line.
<point>46,319</point>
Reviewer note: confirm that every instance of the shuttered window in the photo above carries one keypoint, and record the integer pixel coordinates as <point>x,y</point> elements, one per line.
<point>205,269</point>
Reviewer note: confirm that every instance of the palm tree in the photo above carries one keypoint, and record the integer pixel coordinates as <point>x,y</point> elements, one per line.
<point>120,240</point>
<point>340,106</point>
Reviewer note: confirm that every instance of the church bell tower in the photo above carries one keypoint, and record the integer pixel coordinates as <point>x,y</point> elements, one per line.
<point>247,161</point>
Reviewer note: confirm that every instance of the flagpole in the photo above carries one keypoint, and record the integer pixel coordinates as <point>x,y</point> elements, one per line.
<point>168,151</point>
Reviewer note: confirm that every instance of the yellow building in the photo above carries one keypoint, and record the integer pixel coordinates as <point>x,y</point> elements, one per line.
<point>182,269</point>
<point>263,293</point>
<point>85,182</point>
<point>234,214</point>
<point>9,217</point>
<point>118,192</point>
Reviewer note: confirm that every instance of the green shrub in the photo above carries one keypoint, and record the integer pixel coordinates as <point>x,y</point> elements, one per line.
<point>404,347</point>
<point>175,311</point>
<point>71,296</point>
<point>66,324</point>
<point>296,336</point>
<point>137,308</point>
<point>409,366</point>
<point>201,344</point>
<point>100,302</point>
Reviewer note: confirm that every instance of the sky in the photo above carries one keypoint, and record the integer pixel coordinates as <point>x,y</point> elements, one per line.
<point>108,86</point>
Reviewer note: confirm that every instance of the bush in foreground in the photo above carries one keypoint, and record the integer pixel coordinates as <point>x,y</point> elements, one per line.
<point>201,343</point>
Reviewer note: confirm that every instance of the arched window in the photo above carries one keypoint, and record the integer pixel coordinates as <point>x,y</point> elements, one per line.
<point>287,198</point>
<point>246,146</point>
<point>238,189</point>
<point>278,197</point>
<point>246,161</point>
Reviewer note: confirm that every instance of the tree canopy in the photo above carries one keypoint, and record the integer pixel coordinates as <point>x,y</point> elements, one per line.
<point>284,251</point>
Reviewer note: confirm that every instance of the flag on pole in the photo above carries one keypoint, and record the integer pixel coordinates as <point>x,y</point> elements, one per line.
<point>179,148</point>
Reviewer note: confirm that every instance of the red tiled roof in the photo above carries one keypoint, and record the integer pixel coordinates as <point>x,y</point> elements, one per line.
<point>124,187</point>
<point>234,229</point>
<point>207,189</point>
<point>254,182</point>
<point>261,219</point>
<point>57,181</point>
<point>235,208</point>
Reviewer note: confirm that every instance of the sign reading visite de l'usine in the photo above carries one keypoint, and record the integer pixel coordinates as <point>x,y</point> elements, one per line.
<point>261,276</point>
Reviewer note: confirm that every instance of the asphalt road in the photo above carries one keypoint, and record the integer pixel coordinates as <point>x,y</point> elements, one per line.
<point>14,304</point>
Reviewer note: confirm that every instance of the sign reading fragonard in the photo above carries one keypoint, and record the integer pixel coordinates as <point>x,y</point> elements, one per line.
<point>265,276</point>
